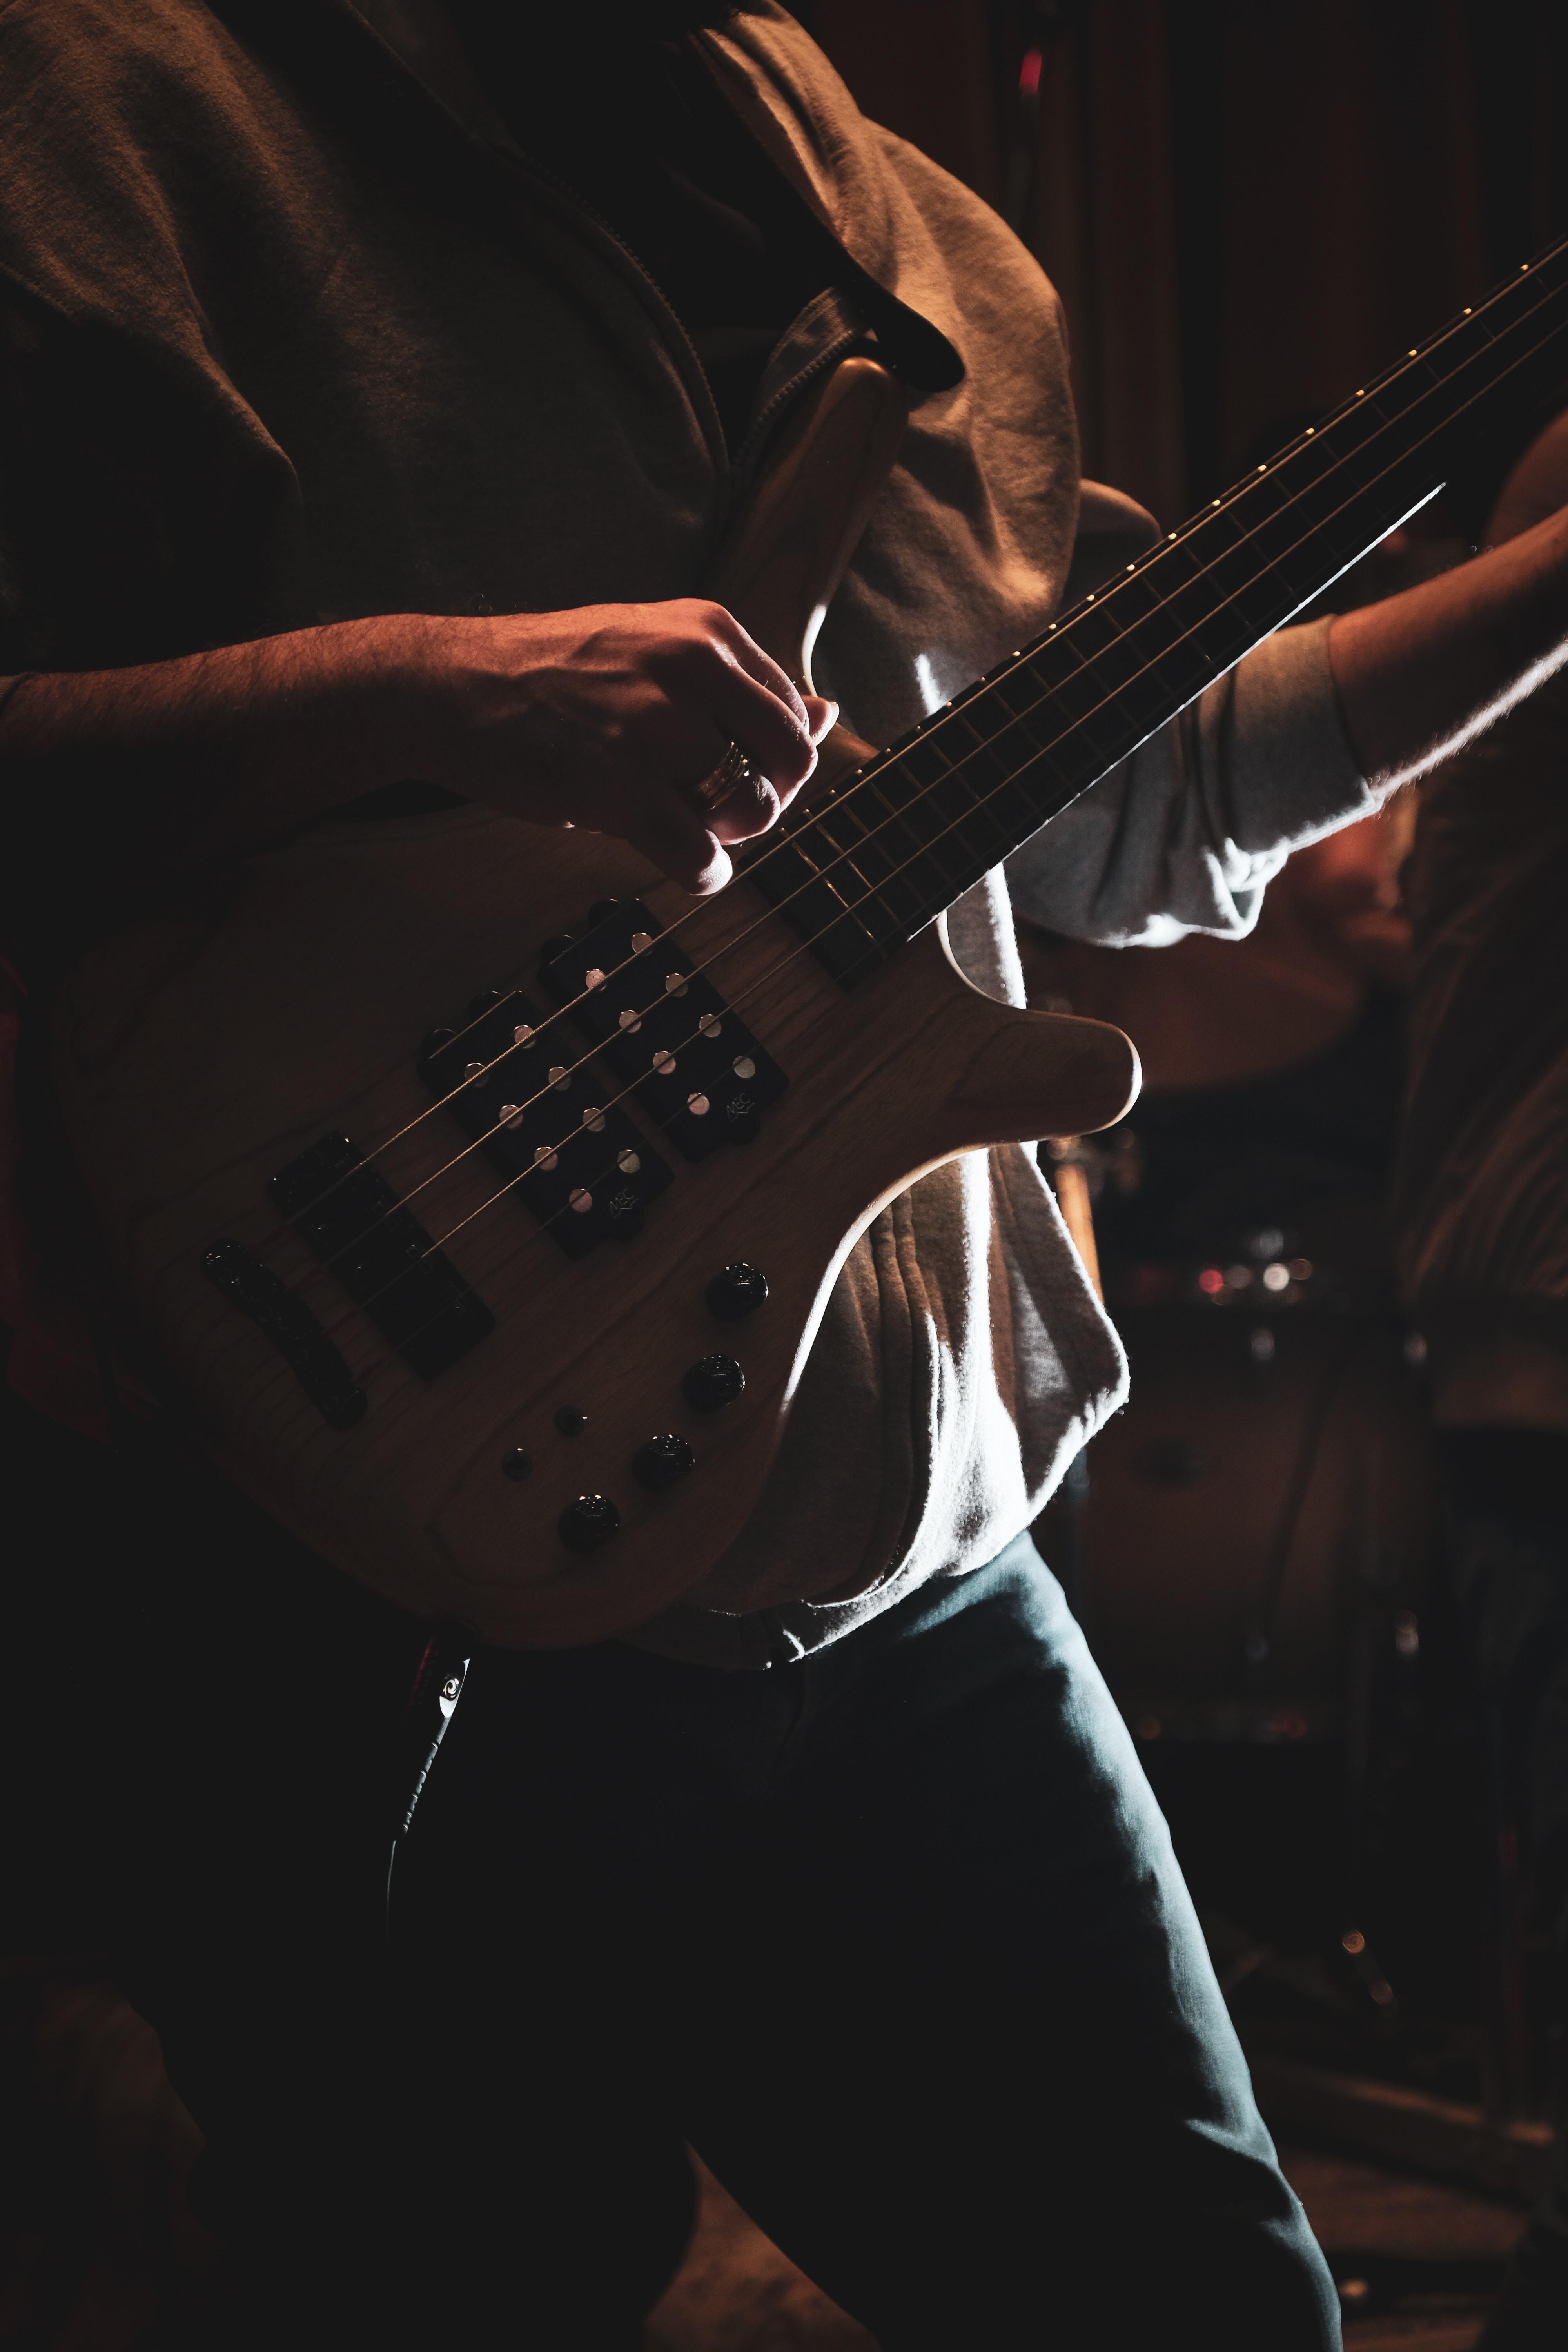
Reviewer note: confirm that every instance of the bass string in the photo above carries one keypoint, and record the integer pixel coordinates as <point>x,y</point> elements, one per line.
<point>951,712</point>
<point>894,816</point>
<point>542,1230</point>
<point>539,1233</point>
<point>862,779</point>
<point>866,778</point>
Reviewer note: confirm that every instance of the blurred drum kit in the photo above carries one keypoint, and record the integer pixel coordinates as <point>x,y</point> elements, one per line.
<point>1262,1510</point>
<point>1255,1525</point>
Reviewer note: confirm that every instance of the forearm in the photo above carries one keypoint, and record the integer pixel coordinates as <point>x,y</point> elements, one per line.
<point>182,761</point>
<point>1420,673</point>
<point>603,717</point>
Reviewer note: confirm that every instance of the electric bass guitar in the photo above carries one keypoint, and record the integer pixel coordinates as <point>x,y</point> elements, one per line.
<point>482,1192</point>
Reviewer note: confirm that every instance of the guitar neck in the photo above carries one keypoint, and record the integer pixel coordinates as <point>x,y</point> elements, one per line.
<point>896,843</point>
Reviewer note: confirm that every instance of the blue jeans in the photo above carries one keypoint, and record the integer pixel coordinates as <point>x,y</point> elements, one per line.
<point>895,1936</point>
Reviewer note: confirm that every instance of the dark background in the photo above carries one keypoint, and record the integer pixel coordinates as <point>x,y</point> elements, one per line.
<point>1249,207</point>
<point>1246,208</point>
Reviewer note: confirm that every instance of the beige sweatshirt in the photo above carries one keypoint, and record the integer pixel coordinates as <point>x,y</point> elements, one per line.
<point>330,347</point>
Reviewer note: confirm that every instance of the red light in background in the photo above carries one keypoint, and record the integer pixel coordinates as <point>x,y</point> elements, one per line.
<point>1212,1281</point>
<point>1029,74</point>
<point>1286,1722</point>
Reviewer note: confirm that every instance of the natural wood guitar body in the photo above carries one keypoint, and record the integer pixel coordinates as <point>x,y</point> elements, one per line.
<point>195,1060</point>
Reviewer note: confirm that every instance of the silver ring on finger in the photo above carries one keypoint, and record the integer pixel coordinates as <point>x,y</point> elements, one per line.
<point>733,770</point>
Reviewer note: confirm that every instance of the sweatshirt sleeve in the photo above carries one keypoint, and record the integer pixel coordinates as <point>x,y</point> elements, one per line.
<point>1185,833</point>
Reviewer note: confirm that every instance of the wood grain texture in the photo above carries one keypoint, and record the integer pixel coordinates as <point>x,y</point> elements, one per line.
<point>194,1060</point>
<point>778,571</point>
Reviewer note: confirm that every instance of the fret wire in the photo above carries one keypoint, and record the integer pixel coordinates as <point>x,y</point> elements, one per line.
<point>848,911</point>
<point>844,811</point>
<point>932,843</point>
<point>905,874</point>
<point>850,859</point>
<point>903,817</point>
<point>977,800</point>
<point>974,807</point>
<point>1364,490</point>
<point>1214,620</point>
<point>1412,452</point>
<point>874,893</point>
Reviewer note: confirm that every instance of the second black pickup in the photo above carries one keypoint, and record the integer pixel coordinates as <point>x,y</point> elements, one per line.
<point>517,1084</point>
<point>698,1069</point>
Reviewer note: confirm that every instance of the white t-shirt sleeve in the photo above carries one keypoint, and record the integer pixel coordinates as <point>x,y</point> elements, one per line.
<point>1185,833</point>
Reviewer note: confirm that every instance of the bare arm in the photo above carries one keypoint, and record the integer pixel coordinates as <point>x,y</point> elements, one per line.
<point>603,717</point>
<point>1421,673</point>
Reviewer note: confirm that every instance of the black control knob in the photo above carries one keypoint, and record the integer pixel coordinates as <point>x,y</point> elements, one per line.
<point>716,1380</point>
<point>740,1290</point>
<point>662,1463</point>
<point>588,1522</point>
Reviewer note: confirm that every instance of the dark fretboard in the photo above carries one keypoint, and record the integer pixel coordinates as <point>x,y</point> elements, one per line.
<point>896,842</point>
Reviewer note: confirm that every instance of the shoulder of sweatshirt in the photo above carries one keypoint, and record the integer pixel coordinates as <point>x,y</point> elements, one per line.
<point>142,138</point>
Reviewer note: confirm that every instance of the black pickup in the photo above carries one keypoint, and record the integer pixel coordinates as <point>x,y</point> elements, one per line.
<point>512,1082</point>
<point>321,1368</point>
<point>348,1212</point>
<point>697,1070</point>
